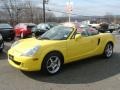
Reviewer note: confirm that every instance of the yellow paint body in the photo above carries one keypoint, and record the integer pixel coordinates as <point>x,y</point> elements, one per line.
<point>71,49</point>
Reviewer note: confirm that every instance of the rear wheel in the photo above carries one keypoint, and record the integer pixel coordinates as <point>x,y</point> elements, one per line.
<point>52,63</point>
<point>108,51</point>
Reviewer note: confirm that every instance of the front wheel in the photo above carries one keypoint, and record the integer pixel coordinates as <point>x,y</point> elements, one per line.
<point>108,51</point>
<point>52,63</point>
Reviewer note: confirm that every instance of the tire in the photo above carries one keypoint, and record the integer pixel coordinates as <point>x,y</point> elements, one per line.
<point>111,31</point>
<point>1,47</point>
<point>52,63</point>
<point>108,51</point>
<point>37,34</point>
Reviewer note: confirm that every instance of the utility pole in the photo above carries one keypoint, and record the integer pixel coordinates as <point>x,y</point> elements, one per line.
<point>44,11</point>
<point>44,2</point>
<point>69,9</point>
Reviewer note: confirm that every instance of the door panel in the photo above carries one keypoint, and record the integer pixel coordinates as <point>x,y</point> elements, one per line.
<point>96,40</point>
<point>77,49</point>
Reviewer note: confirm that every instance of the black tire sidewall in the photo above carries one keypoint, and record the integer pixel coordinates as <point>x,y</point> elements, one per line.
<point>111,31</point>
<point>44,66</point>
<point>104,54</point>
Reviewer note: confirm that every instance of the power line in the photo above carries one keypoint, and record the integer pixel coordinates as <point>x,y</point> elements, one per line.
<point>76,9</point>
<point>50,10</point>
<point>56,6</point>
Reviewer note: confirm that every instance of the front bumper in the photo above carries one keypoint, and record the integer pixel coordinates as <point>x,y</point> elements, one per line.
<point>24,63</point>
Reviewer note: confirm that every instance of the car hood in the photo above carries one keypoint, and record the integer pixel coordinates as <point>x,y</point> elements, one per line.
<point>26,44</point>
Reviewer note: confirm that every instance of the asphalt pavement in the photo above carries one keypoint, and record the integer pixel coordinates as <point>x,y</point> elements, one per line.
<point>95,73</point>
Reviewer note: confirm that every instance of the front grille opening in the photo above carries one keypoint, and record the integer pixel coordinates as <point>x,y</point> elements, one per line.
<point>18,63</point>
<point>11,57</point>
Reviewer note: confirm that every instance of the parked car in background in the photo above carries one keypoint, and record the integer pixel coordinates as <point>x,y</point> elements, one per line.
<point>96,26</point>
<point>1,43</point>
<point>112,27</point>
<point>7,31</point>
<point>106,27</point>
<point>42,28</point>
<point>60,45</point>
<point>24,29</point>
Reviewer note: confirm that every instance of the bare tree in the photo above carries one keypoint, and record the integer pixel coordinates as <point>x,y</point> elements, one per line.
<point>50,17</point>
<point>11,8</point>
<point>16,12</point>
<point>109,17</point>
<point>30,7</point>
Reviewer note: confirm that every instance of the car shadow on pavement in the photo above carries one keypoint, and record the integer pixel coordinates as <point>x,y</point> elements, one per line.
<point>3,56</point>
<point>81,72</point>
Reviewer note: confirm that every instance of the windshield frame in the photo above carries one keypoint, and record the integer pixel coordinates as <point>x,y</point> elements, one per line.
<point>69,35</point>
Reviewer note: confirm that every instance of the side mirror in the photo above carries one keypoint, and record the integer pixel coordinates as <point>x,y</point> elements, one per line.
<point>77,36</point>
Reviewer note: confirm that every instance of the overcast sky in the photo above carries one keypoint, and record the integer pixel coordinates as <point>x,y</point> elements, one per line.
<point>85,7</point>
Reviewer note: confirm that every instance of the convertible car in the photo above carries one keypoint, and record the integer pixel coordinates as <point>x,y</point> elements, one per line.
<point>62,44</point>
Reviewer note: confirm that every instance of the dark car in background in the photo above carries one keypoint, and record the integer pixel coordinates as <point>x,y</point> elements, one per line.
<point>1,43</point>
<point>42,28</point>
<point>24,29</point>
<point>7,31</point>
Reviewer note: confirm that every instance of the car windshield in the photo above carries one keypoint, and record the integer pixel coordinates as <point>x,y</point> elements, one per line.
<point>5,26</point>
<point>57,33</point>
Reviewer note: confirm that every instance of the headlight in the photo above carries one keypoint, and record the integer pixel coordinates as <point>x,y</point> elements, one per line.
<point>15,43</point>
<point>31,52</point>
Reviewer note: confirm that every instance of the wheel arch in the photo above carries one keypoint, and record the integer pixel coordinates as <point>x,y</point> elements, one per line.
<point>111,42</point>
<point>58,52</point>
<point>104,52</point>
<point>54,51</point>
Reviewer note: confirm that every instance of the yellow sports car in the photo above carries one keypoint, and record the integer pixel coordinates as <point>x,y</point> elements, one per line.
<point>62,44</point>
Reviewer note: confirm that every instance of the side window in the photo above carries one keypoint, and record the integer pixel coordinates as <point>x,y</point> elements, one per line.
<point>30,27</point>
<point>92,31</point>
<point>84,33</point>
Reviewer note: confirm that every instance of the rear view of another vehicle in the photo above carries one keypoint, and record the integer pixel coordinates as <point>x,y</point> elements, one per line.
<point>7,32</point>
<point>24,29</point>
<point>111,27</point>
